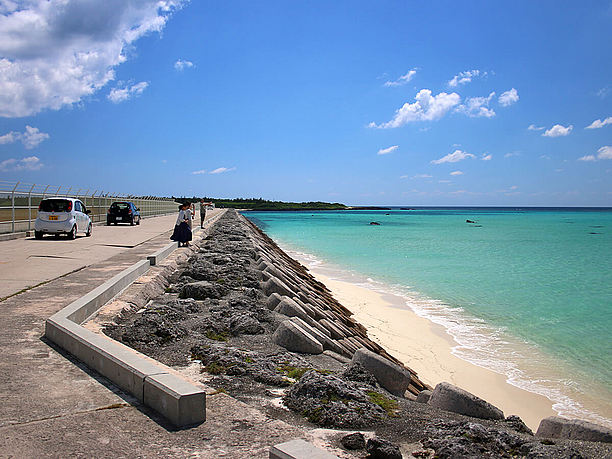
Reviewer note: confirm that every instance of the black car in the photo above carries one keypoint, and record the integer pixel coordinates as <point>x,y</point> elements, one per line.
<point>123,212</point>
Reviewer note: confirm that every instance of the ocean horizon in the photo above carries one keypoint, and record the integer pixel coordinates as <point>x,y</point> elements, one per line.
<point>524,291</point>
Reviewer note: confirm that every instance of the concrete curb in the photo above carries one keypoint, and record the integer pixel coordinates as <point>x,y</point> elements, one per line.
<point>9,236</point>
<point>151,382</point>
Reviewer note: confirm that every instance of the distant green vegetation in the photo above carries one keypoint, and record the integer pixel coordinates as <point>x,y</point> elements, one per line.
<point>262,204</point>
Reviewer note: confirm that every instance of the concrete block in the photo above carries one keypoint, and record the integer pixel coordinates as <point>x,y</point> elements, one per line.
<point>273,301</point>
<point>274,285</point>
<point>294,338</point>
<point>290,308</point>
<point>350,347</point>
<point>179,401</point>
<point>299,449</point>
<point>342,327</point>
<point>424,396</point>
<point>156,257</point>
<point>335,332</point>
<point>389,375</point>
<point>326,341</point>
<point>452,398</point>
<point>339,357</point>
<point>573,429</point>
<point>305,306</point>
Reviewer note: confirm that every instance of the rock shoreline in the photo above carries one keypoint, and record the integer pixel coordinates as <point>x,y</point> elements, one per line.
<point>267,333</point>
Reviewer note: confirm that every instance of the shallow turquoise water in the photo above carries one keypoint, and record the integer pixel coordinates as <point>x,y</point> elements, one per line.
<point>542,277</point>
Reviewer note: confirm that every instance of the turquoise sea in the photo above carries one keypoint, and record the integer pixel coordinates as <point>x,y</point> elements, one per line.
<point>526,292</point>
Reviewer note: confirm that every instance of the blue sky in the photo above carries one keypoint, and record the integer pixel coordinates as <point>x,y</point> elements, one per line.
<point>390,102</point>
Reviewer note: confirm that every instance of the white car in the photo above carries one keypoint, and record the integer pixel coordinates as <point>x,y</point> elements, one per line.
<point>62,216</point>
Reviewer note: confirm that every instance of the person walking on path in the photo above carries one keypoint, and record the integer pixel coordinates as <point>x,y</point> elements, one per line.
<point>203,207</point>
<point>182,228</point>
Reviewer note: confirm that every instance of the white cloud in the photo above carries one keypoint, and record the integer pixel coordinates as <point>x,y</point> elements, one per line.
<point>444,181</point>
<point>181,65</point>
<point>386,151</point>
<point>604,152</point>
<point>453,157</point>
<point>426,108</point>
<point>511,154</point>
<point>533,127</point>
<point>486,157</point>
<point>475,107</point>
<point>558,131</point>
<point>420,176</point>
<point>402,80</point>
<point>200,172</point>
<point>604,92</point>
<point>31,138</point>
<point>30,163</point>
<point>464,77</point>
<point>456,173</point>
<point>117,95</point>
<point>9,138</point>
<point>221,170</point>
<point>56,52</point>
<point>508,98</point>
<point>597,124</point>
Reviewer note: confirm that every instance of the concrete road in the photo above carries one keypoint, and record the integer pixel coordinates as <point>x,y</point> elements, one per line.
<point>54,407</point>
<point>25,263</point>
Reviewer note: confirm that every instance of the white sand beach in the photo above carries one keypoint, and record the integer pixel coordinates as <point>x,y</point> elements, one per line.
<point>426,348</point>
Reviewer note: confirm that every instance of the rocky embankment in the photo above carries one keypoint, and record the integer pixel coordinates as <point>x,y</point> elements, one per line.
<point>266,332</point>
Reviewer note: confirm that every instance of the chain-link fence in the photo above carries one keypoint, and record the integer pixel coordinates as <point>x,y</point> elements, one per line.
<point>19,203</point>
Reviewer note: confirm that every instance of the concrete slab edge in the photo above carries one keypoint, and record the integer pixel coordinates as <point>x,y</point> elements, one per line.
<point>151,382</point>
<point>299,449</point>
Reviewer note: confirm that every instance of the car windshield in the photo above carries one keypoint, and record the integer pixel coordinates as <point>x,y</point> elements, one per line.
<point>120,205</point>
<point>55,205</point>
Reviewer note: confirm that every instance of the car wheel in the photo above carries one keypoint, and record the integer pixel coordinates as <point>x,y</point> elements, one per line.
<point>38,234</point>
<point>72,233</point>
<point>115,223</point>
<point>89,229</point>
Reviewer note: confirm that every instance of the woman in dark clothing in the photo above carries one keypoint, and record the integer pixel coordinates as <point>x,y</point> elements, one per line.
<point>182,229</point>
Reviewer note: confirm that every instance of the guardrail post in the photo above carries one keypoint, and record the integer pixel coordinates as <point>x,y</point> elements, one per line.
<point>30,207</point>
<point>13,208</point>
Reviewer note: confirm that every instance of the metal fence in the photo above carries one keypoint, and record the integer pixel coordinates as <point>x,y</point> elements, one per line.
<point>19,203</point>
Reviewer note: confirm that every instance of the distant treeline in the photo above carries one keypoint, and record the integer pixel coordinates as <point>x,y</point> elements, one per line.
<point>263,204</point>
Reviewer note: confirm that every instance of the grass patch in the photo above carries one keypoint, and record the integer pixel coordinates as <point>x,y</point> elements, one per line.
<point>218,391</point>
<point>215,369</point>
<point>248,359</point>
<point>292,372</point>
<point>222,336</point>
<point>388,404</point>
